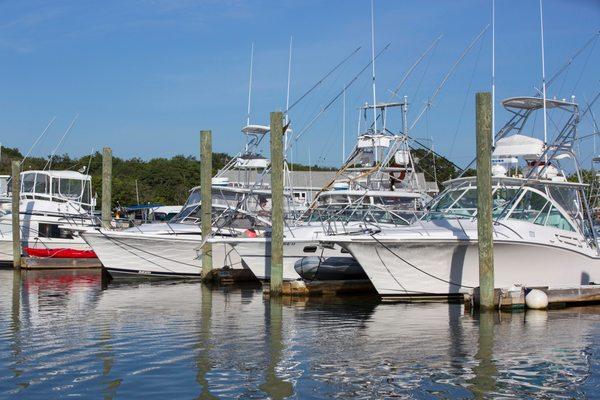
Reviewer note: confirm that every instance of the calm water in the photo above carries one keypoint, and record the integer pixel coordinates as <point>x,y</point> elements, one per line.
<point>62,335</point>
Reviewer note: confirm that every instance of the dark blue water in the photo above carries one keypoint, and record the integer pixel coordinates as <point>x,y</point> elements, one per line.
<point>62,335</point>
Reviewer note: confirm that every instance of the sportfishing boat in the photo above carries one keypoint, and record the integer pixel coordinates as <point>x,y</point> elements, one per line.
<point>50,202</point>
<point>167,249</point>
<point>173,248</point>
<point>542,227</point>
<point>377,186</point>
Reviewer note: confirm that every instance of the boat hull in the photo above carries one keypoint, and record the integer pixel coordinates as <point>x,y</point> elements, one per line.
<point>445,267</point>
<point>30,238</point>
<point>156,255</point>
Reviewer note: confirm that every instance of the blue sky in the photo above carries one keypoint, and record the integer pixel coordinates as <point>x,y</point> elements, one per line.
<point>145,76</point>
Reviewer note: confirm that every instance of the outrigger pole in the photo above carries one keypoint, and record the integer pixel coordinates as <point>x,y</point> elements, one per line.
<point>447,76</point>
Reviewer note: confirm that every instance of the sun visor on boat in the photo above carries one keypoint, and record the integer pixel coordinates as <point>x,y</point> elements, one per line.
<point>535,103</point>
<point>255,129</point>
<point>519,146</point>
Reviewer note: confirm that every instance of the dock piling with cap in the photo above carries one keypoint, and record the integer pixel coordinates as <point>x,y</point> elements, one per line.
<point>276,275</point>
<point>106,187</point>
<point>206,201</point>
<point>484,199</point>
<point>16,223</point>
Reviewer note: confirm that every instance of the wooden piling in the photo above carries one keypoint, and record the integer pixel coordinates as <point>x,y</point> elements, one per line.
<point>106,187</point>
<point>276,279</point>
<point>206,198</point>
<point>16,223</point>
<point>484,199</point>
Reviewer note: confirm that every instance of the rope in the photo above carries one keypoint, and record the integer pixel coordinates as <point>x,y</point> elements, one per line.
<point>415,267</point>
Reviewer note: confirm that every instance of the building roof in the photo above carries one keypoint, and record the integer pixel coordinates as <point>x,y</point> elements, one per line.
<point>299,179</point>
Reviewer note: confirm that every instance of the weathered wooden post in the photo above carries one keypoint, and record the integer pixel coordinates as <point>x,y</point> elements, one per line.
<point>106,187</point>
<point>16,223</point>
<point>484,200</point>
<point>276,275</point>
<point>206,198</point>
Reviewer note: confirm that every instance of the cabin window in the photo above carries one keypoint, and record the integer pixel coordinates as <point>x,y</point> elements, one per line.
<point>533,207</point>
<point>530,207</point>
<point>42,183</point>
<point>28,183</point>
<point>500,198</point>
<point>338,199</point>
<point>448,199</point>
<point>48,231</point>
<point>464,206</point>
<point>67,188</point>
<point>567,198</point>
<point>557,220</point>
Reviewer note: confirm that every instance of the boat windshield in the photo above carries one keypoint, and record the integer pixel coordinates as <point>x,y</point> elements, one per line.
<point>531,204</point>
<point>190,208</point>
<point>362,213</point>
<point>538,209</point>
<point>461,202</point>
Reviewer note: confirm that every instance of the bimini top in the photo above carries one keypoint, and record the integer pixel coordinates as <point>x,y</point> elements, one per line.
<point>535,103</point>
<point>61,174</point>
<point>255,129</point>
<point>519,146</point>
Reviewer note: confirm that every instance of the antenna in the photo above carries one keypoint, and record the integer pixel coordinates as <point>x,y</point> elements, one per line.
<point>344,126</point>
<point>287,98</point>
<point>543,73</point>
<point>493,72</point>
<point>373,64</point>
<point>250,84</point>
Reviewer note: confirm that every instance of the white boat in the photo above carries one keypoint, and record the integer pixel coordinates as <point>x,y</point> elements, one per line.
<point>542,228</point>
<point>174,248</point>
<point>377,186</point>
<point>342,211</point>
<point>50,202</point>
<point>166,249</point>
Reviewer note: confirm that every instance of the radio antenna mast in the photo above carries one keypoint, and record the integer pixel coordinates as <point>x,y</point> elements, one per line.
<point>250,84</point>
<point>373,65</point>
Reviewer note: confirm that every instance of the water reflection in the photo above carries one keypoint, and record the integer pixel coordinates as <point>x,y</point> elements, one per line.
<point>485,372</point>
<point>274,386</point>
<point>204,347</point>
<point>62,335</point>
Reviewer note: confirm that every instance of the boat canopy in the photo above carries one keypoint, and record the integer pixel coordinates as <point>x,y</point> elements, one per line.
<point>519,146</point>
<point>535,103</point>
<point>255,129</point>
<point>58,186</point>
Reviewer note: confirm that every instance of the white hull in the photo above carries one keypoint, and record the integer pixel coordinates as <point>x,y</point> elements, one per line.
<point>31,238</point>
<point>154,254</point>
<point>441,267</point>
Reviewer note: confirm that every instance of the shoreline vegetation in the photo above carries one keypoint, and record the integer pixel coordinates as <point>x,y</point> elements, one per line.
<point>168,180</point>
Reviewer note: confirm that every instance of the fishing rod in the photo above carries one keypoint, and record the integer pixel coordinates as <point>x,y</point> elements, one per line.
<point>337,96</point>
<point>558,72</point>
<point>322,79</point>
<point>572,58</point>
<point>447,76</point>
<point>49,162</point>
<point>38,139</point>
<point>415,64</point>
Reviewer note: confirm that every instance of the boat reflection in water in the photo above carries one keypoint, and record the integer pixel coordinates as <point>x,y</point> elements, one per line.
<point>62,335</point>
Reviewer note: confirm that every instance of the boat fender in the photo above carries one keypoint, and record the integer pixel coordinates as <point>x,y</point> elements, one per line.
<point>536,299</point>
<point>250,233</point>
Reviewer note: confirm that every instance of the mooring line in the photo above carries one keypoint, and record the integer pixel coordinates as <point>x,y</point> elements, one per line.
<point>417,268</point>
